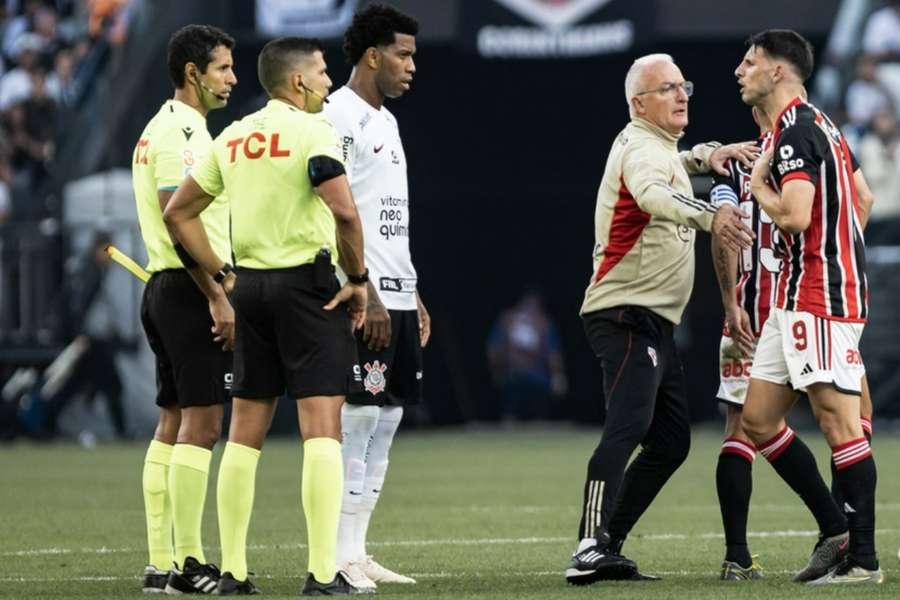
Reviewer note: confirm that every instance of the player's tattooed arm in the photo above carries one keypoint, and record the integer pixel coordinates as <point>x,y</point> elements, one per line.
<point>737,319</point>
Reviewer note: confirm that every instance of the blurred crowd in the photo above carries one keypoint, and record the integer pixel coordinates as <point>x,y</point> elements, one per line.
<point>871,109</point>
<point>47,58</point>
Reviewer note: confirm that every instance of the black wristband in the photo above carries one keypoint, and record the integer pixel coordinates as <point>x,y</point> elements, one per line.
<point>220,275</point>
<point>186,259</point>
<point>359,279</point>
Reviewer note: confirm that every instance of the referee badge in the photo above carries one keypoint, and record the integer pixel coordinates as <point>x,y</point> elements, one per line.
<point>375,381</point>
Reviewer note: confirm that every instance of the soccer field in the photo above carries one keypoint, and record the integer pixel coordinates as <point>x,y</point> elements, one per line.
<point>470,514</point>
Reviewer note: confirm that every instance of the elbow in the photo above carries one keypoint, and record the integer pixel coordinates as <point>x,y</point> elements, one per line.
<point>169,215</point>
<point>795,224</point>
<point>866,201</point>
<point>346,216</point>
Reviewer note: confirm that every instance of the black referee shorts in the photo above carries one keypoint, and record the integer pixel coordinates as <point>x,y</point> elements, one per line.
<point>286,341</point>
<point>393,376</point>
<point>191,369</point>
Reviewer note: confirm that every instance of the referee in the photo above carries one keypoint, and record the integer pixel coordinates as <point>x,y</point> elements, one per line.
<point>180,307</point>
<point>293,219</point>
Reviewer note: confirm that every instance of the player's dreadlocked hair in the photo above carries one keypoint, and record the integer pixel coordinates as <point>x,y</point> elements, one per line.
<point>194,43</point>
<point>788,45</point>
<point>375,26</point>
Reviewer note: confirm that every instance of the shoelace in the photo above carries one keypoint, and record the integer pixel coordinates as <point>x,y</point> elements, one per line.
<point>754,564</point>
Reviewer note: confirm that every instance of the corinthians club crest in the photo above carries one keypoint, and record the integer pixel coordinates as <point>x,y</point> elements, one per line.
<point>375,381</point>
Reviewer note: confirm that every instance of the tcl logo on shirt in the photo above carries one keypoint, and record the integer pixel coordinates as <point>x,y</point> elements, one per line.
<point>255,145</point>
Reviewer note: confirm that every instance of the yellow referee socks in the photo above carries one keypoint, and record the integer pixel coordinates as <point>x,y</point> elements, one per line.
<point>234,495</point>
<point>188,476</point>
<point>157,506</point>
<point>323,486</point>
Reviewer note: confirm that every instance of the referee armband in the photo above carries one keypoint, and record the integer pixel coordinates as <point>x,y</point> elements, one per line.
<point>323,168</point>
<point>186,259</point>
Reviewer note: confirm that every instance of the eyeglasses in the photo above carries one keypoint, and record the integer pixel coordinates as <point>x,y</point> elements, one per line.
<point>672,88</point>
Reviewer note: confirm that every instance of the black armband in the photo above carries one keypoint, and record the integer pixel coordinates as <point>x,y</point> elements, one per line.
<point>323,168</point>
<point>186,259</point>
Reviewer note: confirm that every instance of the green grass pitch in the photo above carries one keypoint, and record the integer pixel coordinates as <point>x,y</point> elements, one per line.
<point>470,514</point>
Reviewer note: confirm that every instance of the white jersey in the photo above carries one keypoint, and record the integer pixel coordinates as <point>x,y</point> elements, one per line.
<point>376,169</point>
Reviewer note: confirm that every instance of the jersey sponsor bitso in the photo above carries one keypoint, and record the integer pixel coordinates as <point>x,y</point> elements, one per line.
<point>171,145</point>
<point>824,267</point>
<point>376,168</point>
<point>758,266</point>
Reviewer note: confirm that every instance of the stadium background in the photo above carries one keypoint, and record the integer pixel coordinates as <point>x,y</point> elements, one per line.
<point>505,153</point>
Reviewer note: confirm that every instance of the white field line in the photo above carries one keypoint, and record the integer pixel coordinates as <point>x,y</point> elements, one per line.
<point>789,533</point>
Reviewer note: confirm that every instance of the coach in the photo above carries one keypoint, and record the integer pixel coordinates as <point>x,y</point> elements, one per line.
<point>645,223</point>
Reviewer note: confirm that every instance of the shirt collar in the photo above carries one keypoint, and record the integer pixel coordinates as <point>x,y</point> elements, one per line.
<point>656,130</point>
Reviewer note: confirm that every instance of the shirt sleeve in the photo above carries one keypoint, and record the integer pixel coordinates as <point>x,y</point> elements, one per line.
<point>346,135</point>
<point>798,154</point>
<point>696,160</point>
<point>646,172</point>
<point>170,156</point>
<point>208,174</point>
<point>322,140</point>
<point>725,188</point>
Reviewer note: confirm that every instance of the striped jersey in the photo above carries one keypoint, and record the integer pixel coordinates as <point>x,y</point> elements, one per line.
<point>823,271</point>
<point>759,265</point>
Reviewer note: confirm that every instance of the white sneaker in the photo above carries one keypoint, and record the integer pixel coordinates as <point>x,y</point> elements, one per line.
<point>847,572</point>
<point>379,574</point>
<point>356,577</point>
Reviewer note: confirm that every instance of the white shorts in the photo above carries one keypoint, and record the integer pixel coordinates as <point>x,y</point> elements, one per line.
<point>801,349</point>
<point>734,372</point>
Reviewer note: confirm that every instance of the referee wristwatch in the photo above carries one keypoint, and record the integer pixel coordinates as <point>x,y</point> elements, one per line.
<point>359,279</point>
<point>222,273</point>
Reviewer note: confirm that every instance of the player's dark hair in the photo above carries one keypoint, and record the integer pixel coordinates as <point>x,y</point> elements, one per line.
<point>788,45</point>
<point>375,26</point>
<point>280,56</point>
<point>194,43</point>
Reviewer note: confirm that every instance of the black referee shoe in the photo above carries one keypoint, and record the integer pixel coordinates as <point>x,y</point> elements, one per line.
<point>154,580</point>
<point>194,578</point>
<point>600,562</point>
<point>339,586</point>
<point>229,586</point>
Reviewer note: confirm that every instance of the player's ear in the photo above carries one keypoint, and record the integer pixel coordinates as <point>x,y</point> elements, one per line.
<point>373,57</point>
<point>778,73</point>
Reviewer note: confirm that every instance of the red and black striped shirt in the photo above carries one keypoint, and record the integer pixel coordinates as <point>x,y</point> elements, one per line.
<point>824,268</point>
<point>758,266</point>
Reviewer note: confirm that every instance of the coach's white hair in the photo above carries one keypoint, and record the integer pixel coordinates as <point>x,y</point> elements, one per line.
<point>635,76</point>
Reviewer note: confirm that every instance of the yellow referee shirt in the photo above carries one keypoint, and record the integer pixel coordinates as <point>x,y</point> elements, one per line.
<point>277,219</point>
<point>172,144</point>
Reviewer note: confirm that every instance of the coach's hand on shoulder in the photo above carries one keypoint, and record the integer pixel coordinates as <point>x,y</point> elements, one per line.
<point>729,227</point>
<point>746,152</point>
<point>223,322</point>
<point>377,332</point>
<point>355,296</point>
